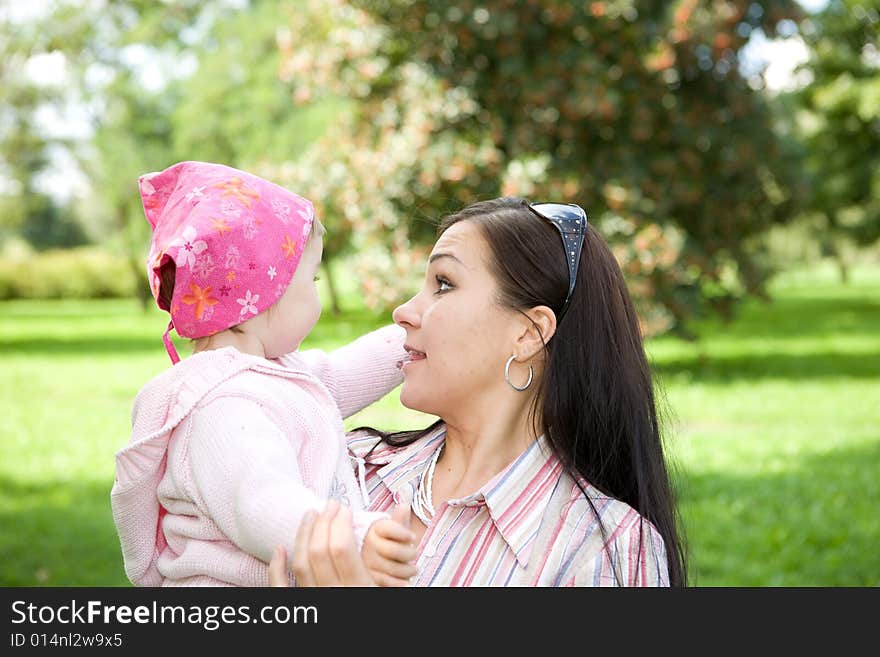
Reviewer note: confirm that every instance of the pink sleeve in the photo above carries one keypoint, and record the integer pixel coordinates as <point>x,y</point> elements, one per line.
<point>362,371</point>
<point>247,476</point>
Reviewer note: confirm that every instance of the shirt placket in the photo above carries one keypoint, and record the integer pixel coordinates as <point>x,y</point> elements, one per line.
<point>439,535</point>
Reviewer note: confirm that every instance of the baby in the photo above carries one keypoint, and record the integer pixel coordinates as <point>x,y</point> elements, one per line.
<point>233,445</point>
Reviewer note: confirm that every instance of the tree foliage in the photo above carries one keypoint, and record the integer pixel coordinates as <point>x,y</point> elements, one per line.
<point>840,118</point>
<point>113,47</point>
<point>635,110</point>
<point>390,113</point>
<point>235,109</point>
<point>25,206</point>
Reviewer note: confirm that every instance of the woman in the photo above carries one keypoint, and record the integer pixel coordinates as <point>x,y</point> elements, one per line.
<point>546,467</point>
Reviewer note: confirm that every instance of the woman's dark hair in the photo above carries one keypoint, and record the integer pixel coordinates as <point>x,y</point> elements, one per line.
<point>596,400</point>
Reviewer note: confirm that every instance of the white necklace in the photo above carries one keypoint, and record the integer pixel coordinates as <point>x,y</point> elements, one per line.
<point>422,504</point>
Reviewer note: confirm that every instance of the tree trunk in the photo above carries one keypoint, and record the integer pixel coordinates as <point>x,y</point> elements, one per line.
<point>331,286</point>
<point>142,285</point>
<point>842,268</point>
<point>839,258</point>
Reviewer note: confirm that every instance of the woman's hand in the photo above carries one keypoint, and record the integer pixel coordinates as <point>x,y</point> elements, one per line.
<point>325,553</point>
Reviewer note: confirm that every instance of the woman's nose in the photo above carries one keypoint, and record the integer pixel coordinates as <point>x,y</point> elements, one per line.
<point>407,315</point>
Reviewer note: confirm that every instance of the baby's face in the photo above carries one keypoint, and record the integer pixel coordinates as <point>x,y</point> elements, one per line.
<point>299,308</point>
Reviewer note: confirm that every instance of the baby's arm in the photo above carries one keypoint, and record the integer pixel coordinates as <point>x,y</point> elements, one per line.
<point>362,371</point>
<point>247,476</point>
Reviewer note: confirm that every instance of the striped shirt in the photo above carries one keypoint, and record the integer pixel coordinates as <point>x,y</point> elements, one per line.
<point>530,525</point>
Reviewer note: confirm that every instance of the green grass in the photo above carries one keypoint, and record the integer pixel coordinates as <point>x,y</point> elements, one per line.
<point>772,426</point>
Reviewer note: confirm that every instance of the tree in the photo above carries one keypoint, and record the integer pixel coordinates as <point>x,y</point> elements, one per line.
<point>214,95</point>
<point>108,47</point>
<point>234,109</point>
<point>25,208</point>
<point>635,110</point>
<point>840,121</point>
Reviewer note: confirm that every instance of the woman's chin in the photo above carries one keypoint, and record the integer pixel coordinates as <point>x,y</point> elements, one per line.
<point>406,398</point>
<point>413,401</point>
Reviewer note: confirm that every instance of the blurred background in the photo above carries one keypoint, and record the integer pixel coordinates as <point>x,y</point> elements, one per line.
<point>729,151</point>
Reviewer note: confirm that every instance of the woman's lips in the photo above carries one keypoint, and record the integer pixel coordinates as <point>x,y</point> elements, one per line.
<point>412,356</point>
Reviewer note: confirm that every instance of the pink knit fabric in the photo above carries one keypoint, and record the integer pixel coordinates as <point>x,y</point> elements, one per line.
<point>228,451</point>
<point>235,240</point>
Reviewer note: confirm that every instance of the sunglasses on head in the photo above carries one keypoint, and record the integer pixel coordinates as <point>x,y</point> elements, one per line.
<point>571,222</point>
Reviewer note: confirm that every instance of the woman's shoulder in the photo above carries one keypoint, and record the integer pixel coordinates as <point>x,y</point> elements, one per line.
<point>623,536</point>
<point>618,517</point>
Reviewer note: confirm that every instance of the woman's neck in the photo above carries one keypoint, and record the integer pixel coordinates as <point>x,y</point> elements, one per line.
<point>482,443</point>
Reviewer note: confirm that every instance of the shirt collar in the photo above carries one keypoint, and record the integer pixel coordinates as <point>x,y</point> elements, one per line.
<point>400,466</point>
<point>516,497</point>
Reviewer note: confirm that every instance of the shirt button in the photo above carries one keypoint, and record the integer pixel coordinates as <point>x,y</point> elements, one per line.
<point>430,550</point>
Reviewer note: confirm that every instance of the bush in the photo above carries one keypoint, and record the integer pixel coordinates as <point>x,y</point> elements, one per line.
<point>81,273</point>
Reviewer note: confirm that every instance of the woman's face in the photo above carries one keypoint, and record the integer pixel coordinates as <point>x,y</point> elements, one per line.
<point>458,336</point>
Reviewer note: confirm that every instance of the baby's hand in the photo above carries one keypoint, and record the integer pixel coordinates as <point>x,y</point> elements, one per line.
<point>389,552</point>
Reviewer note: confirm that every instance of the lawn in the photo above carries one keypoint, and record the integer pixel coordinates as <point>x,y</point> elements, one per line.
<point>772,430</point>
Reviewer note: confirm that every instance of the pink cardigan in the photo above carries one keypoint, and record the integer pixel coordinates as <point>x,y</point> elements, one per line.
<point>228,451</point>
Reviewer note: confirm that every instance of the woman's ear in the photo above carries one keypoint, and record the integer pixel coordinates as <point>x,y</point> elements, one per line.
<point>538,326</point>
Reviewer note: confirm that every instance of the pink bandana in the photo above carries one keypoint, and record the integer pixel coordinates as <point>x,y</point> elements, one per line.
<point>235,238</point>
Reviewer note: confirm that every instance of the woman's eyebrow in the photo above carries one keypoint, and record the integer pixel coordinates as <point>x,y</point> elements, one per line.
<point>437,256</point>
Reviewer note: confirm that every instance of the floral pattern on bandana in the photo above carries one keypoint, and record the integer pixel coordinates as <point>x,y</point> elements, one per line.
<point>234,238</point>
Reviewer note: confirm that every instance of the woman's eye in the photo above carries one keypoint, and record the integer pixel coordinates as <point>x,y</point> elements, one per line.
<point>442,285</point>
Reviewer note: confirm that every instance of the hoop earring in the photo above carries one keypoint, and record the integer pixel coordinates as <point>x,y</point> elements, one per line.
<point>507,376</point>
